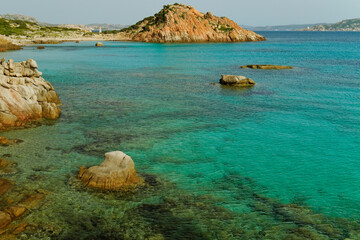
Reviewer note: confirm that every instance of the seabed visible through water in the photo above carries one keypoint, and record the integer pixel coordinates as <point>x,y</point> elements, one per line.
<point>277,161</point>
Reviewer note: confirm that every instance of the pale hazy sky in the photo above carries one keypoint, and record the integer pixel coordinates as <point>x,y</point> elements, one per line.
<point>244,12</point>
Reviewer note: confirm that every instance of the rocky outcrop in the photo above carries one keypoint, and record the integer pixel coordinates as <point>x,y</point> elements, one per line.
<point>116,172</point>
<point>267,67</point>
<point>24,95</point>
<point>181,23</point>
<point>99,44</point>
<point>7,45</point>
<point>238,81</point>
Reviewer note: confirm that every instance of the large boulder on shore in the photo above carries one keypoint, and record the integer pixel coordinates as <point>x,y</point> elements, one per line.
<point>238,81</point>
<point>24,95</point>
<point>116,172</point>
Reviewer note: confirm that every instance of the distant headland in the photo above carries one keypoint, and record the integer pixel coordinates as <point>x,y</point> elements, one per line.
<point>345,25</point>
<point>174,23</point>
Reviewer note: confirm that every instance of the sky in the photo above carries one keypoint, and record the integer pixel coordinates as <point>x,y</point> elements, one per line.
<point>244,12</point>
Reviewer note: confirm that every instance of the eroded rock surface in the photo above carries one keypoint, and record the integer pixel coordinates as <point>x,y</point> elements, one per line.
<point>238,81</point>
<point>24,95</point>
<point>181,23</point>
<point>116,172</point>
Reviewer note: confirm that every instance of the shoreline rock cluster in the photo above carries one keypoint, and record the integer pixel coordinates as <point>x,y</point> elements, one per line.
<point>24,95</point>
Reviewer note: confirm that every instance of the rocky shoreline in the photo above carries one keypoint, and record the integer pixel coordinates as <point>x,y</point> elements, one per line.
<point>182,23</point>
<point>6,45</point>
<point>24,95</point>
<point>174,23</point>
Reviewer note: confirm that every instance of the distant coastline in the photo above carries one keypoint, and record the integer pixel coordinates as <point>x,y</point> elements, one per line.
<point>350,25</point>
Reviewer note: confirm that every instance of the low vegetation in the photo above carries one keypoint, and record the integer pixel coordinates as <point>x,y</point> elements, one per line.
<point>25,28</point>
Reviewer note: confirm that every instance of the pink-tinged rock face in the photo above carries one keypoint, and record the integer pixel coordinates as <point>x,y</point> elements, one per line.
<point>181,23</point>
<point>116,172</point>
<point>24,95</point>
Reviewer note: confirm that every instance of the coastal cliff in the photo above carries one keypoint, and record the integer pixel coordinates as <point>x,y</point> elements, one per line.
<point>24,95</point>
<point>181,23</point>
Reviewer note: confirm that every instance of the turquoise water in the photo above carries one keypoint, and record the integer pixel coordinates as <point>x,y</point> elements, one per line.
<point>217,153</point>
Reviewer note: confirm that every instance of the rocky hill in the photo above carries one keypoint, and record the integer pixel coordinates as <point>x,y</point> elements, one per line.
<point>345,25</point>
<point>10,27</point>
<point>105,26</point>
<point>11,16</point>
<point>181,23</point>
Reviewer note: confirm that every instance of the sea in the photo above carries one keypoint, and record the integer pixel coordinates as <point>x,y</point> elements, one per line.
<point>280,160</point>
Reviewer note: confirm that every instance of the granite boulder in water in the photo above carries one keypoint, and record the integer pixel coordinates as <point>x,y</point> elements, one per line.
<point>239,81</point>
<point>116,172</point>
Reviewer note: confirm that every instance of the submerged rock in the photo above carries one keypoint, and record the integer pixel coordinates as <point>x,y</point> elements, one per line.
<point>11,221</point>
<point>267,67</point>
<point>5,185</point>
<point>24,95</point>
<point>7,142</point>
<point>239,81</point>
<point>99,44</point>
<point>116,172</point>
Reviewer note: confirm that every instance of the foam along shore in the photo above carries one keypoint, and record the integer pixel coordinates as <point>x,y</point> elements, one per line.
<point>24,95</point>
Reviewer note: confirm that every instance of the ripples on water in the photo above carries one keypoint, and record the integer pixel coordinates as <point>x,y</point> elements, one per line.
<point>278,161</point>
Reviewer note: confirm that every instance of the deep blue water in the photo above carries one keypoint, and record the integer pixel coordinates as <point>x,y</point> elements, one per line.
<point>294,137</point>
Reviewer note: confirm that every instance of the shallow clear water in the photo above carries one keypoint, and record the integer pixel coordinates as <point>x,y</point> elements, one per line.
<point>293,138</point>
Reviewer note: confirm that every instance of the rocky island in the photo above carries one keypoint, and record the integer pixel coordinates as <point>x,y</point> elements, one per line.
<point>181,23</point>
<point>24,95</point>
